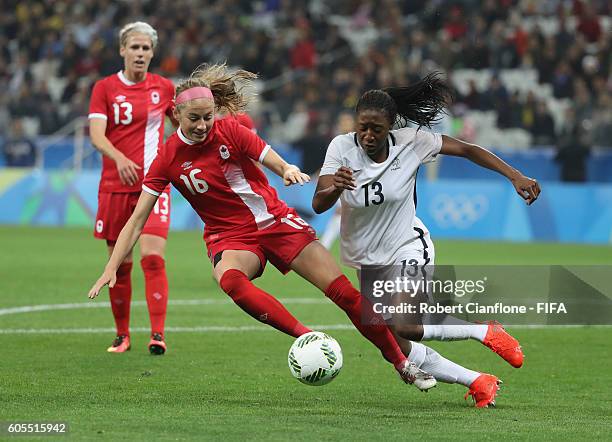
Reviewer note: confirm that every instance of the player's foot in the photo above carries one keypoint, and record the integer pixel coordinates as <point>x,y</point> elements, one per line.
<point>157,346</point>
<point>411,374</point>
<point>483,390</point>
<point>502,343</point>
<point>121,344</point>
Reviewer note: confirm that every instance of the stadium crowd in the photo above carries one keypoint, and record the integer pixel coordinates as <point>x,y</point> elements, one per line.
<point>315,58</point>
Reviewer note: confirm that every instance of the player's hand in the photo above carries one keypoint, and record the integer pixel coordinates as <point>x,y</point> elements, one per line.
<point>108,277</point>
<point>527,188</point>
<point>343,179</point>
<point>293,175</point>
<point>128,170</point>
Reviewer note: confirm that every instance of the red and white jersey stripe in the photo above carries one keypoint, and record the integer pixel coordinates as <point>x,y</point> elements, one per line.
<point>135,122</point>
<point>220,179</point>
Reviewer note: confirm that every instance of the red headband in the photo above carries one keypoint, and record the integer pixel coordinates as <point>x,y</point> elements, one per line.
<point>193,94</point>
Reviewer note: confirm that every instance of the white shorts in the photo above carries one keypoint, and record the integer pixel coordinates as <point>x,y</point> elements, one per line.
<point>414,263</point>
<point>418,259</point>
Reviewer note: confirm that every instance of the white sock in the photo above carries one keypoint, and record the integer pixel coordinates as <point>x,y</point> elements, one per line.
<point>455,332</point>
<point>417,353</point>
<point>331,231</point>
<point>439,367</point>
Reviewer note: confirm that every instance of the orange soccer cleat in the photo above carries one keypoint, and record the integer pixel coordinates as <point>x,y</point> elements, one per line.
<point>121,344</point>
<point>157,346</point>
<point>483,390</point>
<point>502,343</point>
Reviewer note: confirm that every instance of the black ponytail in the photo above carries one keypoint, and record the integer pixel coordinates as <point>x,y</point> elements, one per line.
<point>421,103</point>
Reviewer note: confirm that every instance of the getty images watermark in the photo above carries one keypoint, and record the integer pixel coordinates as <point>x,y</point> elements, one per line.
<point>519,295</point>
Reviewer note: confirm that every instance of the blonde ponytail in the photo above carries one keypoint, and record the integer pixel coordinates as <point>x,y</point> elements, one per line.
<point>232,90</point>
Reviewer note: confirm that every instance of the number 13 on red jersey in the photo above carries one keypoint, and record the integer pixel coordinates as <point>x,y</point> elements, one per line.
<point>124,108</point>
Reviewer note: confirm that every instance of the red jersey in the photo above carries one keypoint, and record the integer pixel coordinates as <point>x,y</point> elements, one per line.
<point>135,122</point>
<point>243,119</point>
<point>220,179</point>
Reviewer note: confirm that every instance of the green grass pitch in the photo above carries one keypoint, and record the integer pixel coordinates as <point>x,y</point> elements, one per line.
<point>235,385</point>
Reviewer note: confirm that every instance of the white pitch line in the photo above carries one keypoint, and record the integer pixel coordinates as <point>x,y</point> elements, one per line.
<point>229,329</point>
<point>202,329</point>
<point>105,304</point>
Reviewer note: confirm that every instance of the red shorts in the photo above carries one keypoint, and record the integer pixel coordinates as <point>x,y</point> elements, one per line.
<point>114,210</point>
<point>280,243</point>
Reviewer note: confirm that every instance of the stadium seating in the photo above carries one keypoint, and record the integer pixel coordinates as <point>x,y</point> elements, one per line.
<point>347,40</point>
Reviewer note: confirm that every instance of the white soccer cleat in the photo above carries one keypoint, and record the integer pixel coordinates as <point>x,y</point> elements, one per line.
<point>411,374</point>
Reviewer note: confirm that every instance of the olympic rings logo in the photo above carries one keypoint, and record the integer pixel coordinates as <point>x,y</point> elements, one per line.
<point>460,211</point>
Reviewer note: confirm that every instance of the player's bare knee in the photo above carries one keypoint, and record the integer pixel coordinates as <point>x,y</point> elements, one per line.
<point>317,266</point>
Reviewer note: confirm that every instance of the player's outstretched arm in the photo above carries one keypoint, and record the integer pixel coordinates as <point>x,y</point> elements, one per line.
<point>330,187</point>
<point>127,168</point>
<point>290,173</point>
<point>527,188</point>
<point>125,242</point>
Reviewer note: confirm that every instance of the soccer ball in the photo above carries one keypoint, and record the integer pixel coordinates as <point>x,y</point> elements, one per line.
<point>315,358</point>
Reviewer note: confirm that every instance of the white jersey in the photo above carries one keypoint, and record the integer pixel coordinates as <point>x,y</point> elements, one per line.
<point>379,223</point>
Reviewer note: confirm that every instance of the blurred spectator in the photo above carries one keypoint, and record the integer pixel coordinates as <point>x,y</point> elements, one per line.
<point>546,61</point>
<point>473,98</point>
<point>529,111</point>
<point>345,123</point>
<point>456,26</point>
<point>543,128</point>
<point>18,149</point>
<point>24,104</point>
<point>5,116</point>
<point>589,25</point>
<point>562,81</point>
<point>583,101</point>
<point>602,121</point>
<point>496,96</point>
<point>303,54</point>
<point>510,116</point>
<point>70,88</point>
<point>69,58</point>
<point>297,123</point>
<point>573,149</point>
<point>169,66</point>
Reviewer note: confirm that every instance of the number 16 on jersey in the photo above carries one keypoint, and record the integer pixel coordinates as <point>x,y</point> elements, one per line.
<point>193,183</point>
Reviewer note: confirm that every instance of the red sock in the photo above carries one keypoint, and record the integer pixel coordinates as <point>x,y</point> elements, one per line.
<point>259,304</point>
<point>156,290</point>
<point>373,327</point>
<point>120,297</point>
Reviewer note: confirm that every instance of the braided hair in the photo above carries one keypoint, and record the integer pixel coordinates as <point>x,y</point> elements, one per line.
<point>421,103</point>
